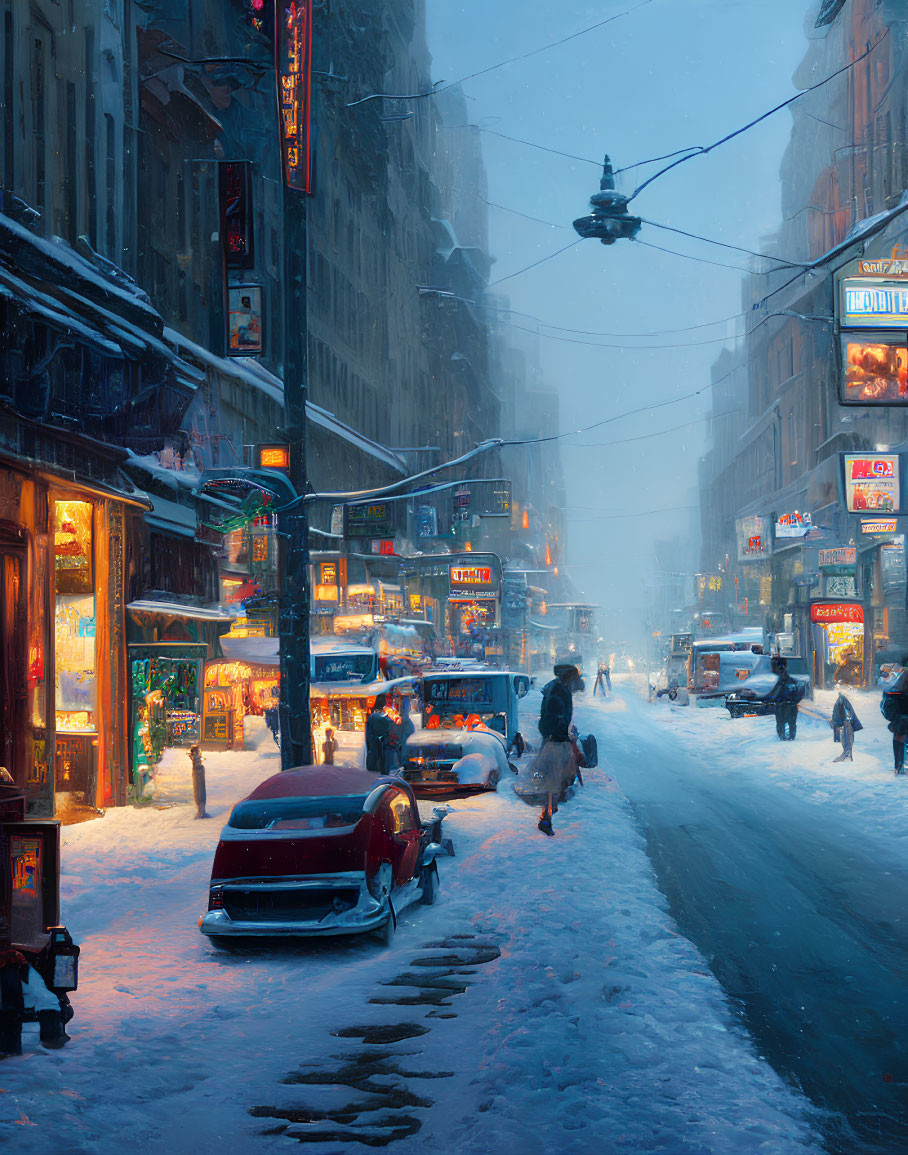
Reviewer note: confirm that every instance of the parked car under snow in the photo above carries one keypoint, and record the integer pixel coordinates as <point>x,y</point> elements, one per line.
<point>322,850</point>
<point>449,760</point>
<point>750,699</point>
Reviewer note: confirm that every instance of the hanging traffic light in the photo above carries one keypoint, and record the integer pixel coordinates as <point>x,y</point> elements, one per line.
<point>609,221</point>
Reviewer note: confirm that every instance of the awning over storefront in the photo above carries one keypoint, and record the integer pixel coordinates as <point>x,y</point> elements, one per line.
<point>172,517</point>
<point>255,650</point>
<point>178,610</point>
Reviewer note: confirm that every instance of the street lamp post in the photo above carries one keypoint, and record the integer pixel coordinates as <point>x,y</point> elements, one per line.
<point>295,720</point>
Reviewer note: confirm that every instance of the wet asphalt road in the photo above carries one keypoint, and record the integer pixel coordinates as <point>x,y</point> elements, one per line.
<point>805,925</point>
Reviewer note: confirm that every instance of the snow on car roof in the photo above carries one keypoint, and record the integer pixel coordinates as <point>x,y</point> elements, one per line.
<point>315,782</point>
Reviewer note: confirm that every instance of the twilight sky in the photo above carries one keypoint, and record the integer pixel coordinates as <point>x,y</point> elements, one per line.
<point>671,74</point>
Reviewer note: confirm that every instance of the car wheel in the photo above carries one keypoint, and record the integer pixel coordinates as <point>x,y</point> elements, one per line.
<point>429,883</point>
<point>494,778</point>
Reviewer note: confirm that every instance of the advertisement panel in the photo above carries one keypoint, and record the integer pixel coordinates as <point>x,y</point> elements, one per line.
<point>244,320</point>
<point>840,555</point>
<point>872,297</point>
<point>753,542</point>
<point>474,577</point>
<point>879,525</point>
<point>793,524</point>
<point>872,482</point>
<point>371,519</point>
<point>875,370</point>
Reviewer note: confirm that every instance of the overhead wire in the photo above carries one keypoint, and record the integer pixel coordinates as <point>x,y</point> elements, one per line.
<point>541,261</point>
<point>701,150</point>
<point>436,89</point>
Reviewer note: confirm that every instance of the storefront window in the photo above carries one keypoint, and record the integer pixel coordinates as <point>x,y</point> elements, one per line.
<point>75,619</point>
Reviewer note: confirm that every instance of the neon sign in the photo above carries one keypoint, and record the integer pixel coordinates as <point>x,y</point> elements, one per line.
<point>293,46</point>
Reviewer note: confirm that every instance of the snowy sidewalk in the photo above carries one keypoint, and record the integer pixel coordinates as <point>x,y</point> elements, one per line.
<point>598,1028</point>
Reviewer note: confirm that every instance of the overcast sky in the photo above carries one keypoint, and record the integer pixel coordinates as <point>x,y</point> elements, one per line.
<point>671,74</point>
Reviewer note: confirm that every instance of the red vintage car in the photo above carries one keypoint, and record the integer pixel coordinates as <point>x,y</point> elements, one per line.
<point>322,850</point>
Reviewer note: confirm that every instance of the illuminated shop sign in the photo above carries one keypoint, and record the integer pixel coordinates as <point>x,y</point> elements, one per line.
<point>875,305</point>
<point>293,48</point>
<point>244,320</point>
<point>474,575</point>
<point>835,612</point>
<point>880,525</point>
<point>792,524</point>
<point>872,297</point>
<point>872,483</point>
<point>841,555</point>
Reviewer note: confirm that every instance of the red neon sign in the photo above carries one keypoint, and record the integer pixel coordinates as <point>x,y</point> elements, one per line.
<point>293,48</point>
<point>868,468</point>
<point>835,612</point>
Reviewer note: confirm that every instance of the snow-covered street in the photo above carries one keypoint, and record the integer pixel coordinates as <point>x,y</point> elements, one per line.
<point>584,1021</point>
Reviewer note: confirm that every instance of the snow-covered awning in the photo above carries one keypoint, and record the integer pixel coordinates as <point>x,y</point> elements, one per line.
<point>171,516</point>
<point>179,610</point>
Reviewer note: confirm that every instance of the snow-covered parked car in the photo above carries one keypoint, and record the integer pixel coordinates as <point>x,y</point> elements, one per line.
<point>750,699</point>
<point>448,760</point>
<point>322,850</point>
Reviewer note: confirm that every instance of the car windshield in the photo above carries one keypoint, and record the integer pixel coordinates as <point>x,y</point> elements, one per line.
<point>297,813</point>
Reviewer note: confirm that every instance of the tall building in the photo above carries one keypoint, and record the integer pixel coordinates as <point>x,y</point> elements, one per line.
<point>818,548</point>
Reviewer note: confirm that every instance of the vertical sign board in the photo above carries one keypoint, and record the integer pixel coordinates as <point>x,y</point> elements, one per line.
<point>293,48</point>
<point>235,190</point>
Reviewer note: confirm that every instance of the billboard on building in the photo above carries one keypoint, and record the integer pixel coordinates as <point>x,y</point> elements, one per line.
<point>752,535</point>
<point>244,320</point>
<point>872,482</point>
<point>872,298</point>
<point>792,524</point>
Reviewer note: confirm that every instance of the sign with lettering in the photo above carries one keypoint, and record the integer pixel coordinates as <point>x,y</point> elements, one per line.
<point>872,483</point>
<point>235,190</point>
<point>879,525</point>
<point>837,612</point>
<point>293,48</point>
<point>841,555</point>
<point>370,519</point>
<point>473,575</point>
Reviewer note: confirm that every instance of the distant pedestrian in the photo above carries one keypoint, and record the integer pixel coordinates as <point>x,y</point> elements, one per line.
<point>198,782</point>
<point>273,722</point>
<point>603,681</point>
<point>845,725</point>
<point>894,708</point>
<point>329,746</point>
<point>784,697</point>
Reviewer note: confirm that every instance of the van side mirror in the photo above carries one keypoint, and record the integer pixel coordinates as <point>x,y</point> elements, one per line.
<point>521,686</point>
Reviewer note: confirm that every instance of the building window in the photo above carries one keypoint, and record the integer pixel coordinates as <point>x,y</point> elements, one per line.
<point>74,634</point>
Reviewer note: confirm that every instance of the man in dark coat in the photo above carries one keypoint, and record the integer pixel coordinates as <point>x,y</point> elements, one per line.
<point>894,708</point>
<point>784,696</point>
<point>378,731</point>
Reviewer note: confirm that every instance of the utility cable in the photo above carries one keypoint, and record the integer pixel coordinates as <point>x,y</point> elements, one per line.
<point>441,87</point>
<point>542,147</point>
<point>526,216</point>
<point>780,261</point>
<point>701,150</point>
<point>690,256</point>
<point>541,261</point>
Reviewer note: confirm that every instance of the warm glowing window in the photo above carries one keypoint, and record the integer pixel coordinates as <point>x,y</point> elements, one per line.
<point>75,618</point>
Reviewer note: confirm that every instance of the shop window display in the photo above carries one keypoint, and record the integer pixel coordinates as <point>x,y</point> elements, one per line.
<point>875,371</point>
<point>75,619</point>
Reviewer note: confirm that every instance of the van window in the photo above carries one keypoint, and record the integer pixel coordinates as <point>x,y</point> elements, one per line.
<point>402,813</point>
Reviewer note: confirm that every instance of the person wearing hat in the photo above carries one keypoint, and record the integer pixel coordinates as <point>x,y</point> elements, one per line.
<point>554,767</point>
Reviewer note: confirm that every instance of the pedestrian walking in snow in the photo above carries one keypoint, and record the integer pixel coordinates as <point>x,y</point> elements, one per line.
<point>845,725</point>
<point>378,733</point>
<point>603,682</point>
<point>894,708</point>
<point>554,767</point>
<point>784,696</point>
<point>198,782</point>
<point>273,722</point>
